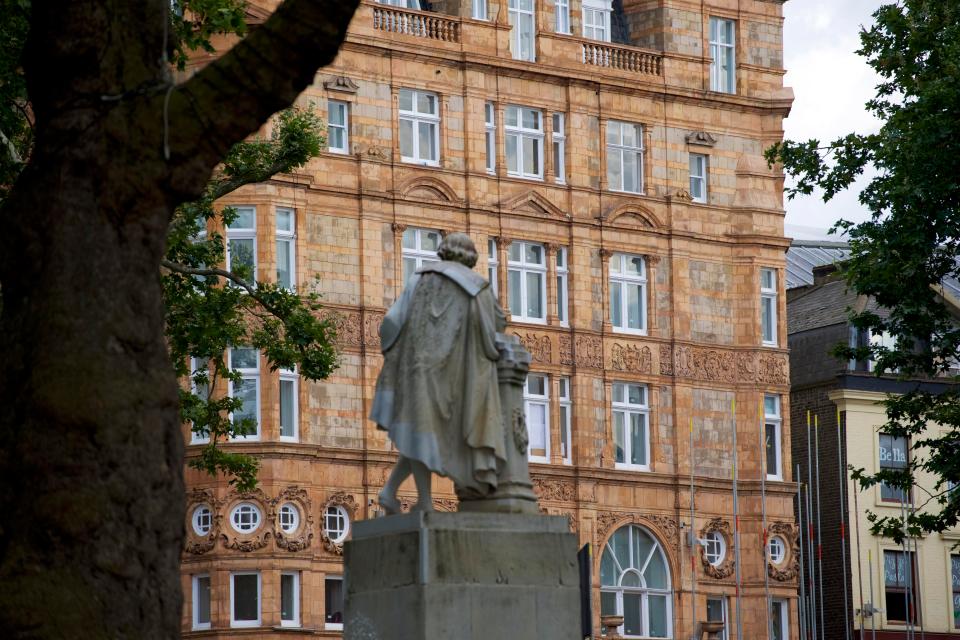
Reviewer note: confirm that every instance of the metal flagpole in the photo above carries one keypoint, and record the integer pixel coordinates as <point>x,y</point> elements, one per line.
<point>873,601</point>
<point>736,520</point>
<point>816,457</point>
<point>763,513</point>
<point>843,538</point>
<point>904,545</point>
<point>693,544</point>
<point>810,564</point>
<point>856,515</point>
<point>803,601</point>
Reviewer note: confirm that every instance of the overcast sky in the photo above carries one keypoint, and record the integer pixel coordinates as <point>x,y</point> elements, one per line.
<point>831,84</point>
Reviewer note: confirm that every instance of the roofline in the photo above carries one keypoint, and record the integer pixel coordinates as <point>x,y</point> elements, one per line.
<point>820,244</point>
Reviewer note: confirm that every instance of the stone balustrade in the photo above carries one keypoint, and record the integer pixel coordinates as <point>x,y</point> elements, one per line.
<point>615,56</point>
<point>416,23</point>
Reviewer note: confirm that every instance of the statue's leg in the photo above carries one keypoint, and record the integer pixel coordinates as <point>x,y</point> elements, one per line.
<point>422,476</point>
<point>388,495</point>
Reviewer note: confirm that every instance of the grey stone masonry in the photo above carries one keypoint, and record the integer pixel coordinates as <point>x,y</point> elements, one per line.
<point>470,576</point>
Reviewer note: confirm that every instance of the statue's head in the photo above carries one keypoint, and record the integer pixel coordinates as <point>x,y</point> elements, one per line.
<point>458,247</point>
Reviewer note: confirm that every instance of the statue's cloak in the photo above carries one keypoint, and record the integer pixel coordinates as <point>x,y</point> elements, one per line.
<point>437,394</point>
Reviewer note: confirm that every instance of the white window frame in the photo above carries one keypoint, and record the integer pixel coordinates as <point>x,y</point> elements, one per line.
<point>645,592</point>
<point>522,12</point>
<point>291,527</point>
<point>417,253</point>
<point>417,119</point>
<point>195,366</point>
<point>195,585</point>
<point>628,409</point>
<point>523,268</point>
<point>295,622</point>
<point>233,513</point>
<point>566,418</point>
<point>772,416</point>
<point>563,269</point>
<point>618,151</point>
<point>784,616</point>
<point>234,623</point>
<point>720,80</point>
<point>403,4</point>
<point>340,513</point>
<point>595,8</point>
<point>533,399</point>
<point>243,233</point>
<point>768,295</point>
<point>288,237</point>
<point>699,172</point>
<point>558,139</point>
<point>479,10</point>
<point>332,626</point>
<point>781,554</point>
<point>195,520</point>
<point>623,280</point>
<point>492,265</point>
<point>561,11</point>
<point>490,136</point>
<point>724,616</point>
<point>291,377</point>
<point>344,127</point>
<point>521,133</point>
<point>714,548</point>
<point>247,374</point>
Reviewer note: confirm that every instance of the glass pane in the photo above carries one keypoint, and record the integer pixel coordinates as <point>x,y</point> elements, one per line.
<point>410,238</point>
<point>531,160</point>
<point>766,278</point>
<point>531,119</point>
<point>771,405</point>
<point>427,137</point>
<point>714,610</point>
<point>696,191</point>
<point>632,614</point>
<point>533,254</point>
<point>203,600</point>
<point>608,603</point>
<point>561,298</point>
<point>246,391</point>
<point>618,392</point>
<point>514,251</point>
<point>409,267</point>
<point>284,220</point>
<point>642,546</point>
<point>635,265</point>
<point>558,124</point>
<point>634,306</point>
<point>534,295</point>
<point>426,103</point>
<point>629,136</point>
<point>283,264</point>
<point>618,435</point>
<point>334,113</point>
<point>242,255</point>
<point>565,388</point>
<point>406,138</point>
<point>773,464</point>
<point>537,428</point>
<point>630,181</point>
<point>526,36</point>
<point>621,546</point>
<point>766,318</point>
<point>512,116</point>
<point>658,616</point>
<point>608,569</point>
<point>333,600</point>
<point>287,595</point>
<point>637,394</point>
<point>536,385</point>
<point>656,573</point>
<point>777,621</point>
<point>638,439</point>
<point>243,219</point>
<point>513,290</point>
<point>615,169</point>
<point>564,431</point>
<point>429,240</point>
<point>630,579</point>
<point>488,113</point>
<point>287,426</point>
<point>335,137</point>
<point>406,100</point>
<point>616,304</point>
<point>245,598</point>
<point>613,133</point>
<point>513,162</point>
<point>243,358</point>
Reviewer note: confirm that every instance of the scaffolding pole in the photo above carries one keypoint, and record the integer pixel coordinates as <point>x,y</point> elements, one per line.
<point>856,515</point>
<point>873,602</point>
<point>843,539</point>
<point>810,564</point>
<point>763,513</point>
<point>816,457</point>
<point>693,545</point>
<point>736,521</point>
<point>803,601</point>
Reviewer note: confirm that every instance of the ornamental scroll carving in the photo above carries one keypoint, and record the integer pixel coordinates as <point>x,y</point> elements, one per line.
<point>666,360</point>
<point>550,489</point>
<point>371,328</point>
<point>195,544</point>
<point>589,352</point>
<point>715,365</point>
<point>666,527</point>
<point>347,325</point>
<point>349,503</point>
<point>302,536</point>
<point>540,347</point>
<point>631,358</point>
<point>726,566</point>
<point>566,350</point>
<point>259,537</point>
<point>790,567</point>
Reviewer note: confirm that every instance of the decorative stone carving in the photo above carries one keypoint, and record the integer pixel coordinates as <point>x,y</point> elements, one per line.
<point>714,365</point>
<point>540,347</point>
<point>631,358</point>
<point>299,539</point>
<point>666,360</point>
<point>259,537</point>
<point>773,369</point>
<point>520,437</point>
<point>378,153</point>
<point>445,504</point>
<point>682,195</point>
<point>701,138</point>
<point>667,527</point>
<point>195,544</point>
<point>790,567</point>
<point>589,352</point>
<point>726,566</point>
<point>566,349</point>
<point>371,328</point>
<point>349,503</point>
<point>342,84</point>
<point>398,228</point>
<point>346,324</point>
<point>556,490</point>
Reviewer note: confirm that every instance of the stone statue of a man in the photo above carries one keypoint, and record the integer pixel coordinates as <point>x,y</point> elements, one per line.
<point>437,394</point>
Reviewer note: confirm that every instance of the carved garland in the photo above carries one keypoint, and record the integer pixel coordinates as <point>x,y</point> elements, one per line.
<point>338,499</point>
<point>631,358</point>
<point>726,567</point>
<point>668,528</point>
<point>557,490</point>
<point>790,567</point>
<point>259,537</point>
<point>301,538</point>
<point>201,544</point>
<point>714,365</point>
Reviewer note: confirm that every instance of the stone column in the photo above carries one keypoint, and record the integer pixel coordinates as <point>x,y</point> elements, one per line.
<point>502,293</point>
<point>652,262</point>
<point>605,255</point>
<point>551,255</point>
<point>398,230</point>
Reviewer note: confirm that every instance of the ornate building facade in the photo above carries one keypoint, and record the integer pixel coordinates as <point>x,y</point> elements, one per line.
<point>606,157</point>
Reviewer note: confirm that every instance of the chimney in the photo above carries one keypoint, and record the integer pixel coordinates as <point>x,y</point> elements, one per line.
<point>825,273</point>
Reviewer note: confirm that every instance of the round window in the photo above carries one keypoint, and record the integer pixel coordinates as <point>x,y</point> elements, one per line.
<point>777,549</point>
<point>202,520</point>
<point>245,517</point>
<point>289,517</point>
<point>336,523</point>
<point>714,548</point>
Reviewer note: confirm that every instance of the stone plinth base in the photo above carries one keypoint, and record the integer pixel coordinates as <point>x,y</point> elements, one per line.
<point>462,576</point>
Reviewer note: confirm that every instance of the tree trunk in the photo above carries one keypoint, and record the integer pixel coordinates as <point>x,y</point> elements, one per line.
<point>91,461</point>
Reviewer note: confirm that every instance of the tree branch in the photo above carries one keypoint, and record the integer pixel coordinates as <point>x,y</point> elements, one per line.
<point>207,272</point>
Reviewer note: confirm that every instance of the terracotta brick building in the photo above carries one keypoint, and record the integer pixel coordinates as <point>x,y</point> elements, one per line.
<point>606,157</point>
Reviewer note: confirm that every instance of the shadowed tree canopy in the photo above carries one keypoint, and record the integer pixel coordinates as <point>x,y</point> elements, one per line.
<point>902,254</point>
<point>96,161</point>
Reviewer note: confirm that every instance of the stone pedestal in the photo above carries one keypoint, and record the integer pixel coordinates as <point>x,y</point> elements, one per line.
<point>463,576</point>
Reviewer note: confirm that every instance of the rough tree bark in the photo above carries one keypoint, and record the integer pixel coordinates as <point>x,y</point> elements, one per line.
<point>91,461</point>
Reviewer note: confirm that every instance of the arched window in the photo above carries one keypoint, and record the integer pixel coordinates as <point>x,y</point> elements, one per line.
<point>635,583</point>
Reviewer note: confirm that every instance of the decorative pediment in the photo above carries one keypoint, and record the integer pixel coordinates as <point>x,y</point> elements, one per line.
<point>701,138</point>
<point>632,216</point>
<point>427,188</point>
<point>533,202</point>
<point>342,84</point>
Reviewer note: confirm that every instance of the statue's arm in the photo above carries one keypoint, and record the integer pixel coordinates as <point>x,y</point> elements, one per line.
<point>490,319</point>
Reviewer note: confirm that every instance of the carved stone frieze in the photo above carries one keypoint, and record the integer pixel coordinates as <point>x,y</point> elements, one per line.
<point>566,349</point>
<point>259,537</point>
<point>682,194</point>
<point>340,83</point>
<point>716,365</point>
<point>349,503</point>
<point>666,527</point>
<point>726,566</point>
<point>446,504</point>
<point>631,358</point>
<point>552,489</point>
<point>701,138</point>
<point>589,352</point>
<point>666,360</point>
<point>347,325</point>
<point>196,544</point>
<point>540,347</point>
<point>302,536</point>
<point>371,328</point>
<point>790,567</point>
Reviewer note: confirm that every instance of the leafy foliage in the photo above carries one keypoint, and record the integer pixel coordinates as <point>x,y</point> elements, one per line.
<point>16,130</point>
<point>194,22</point>
<point>902,254</point>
